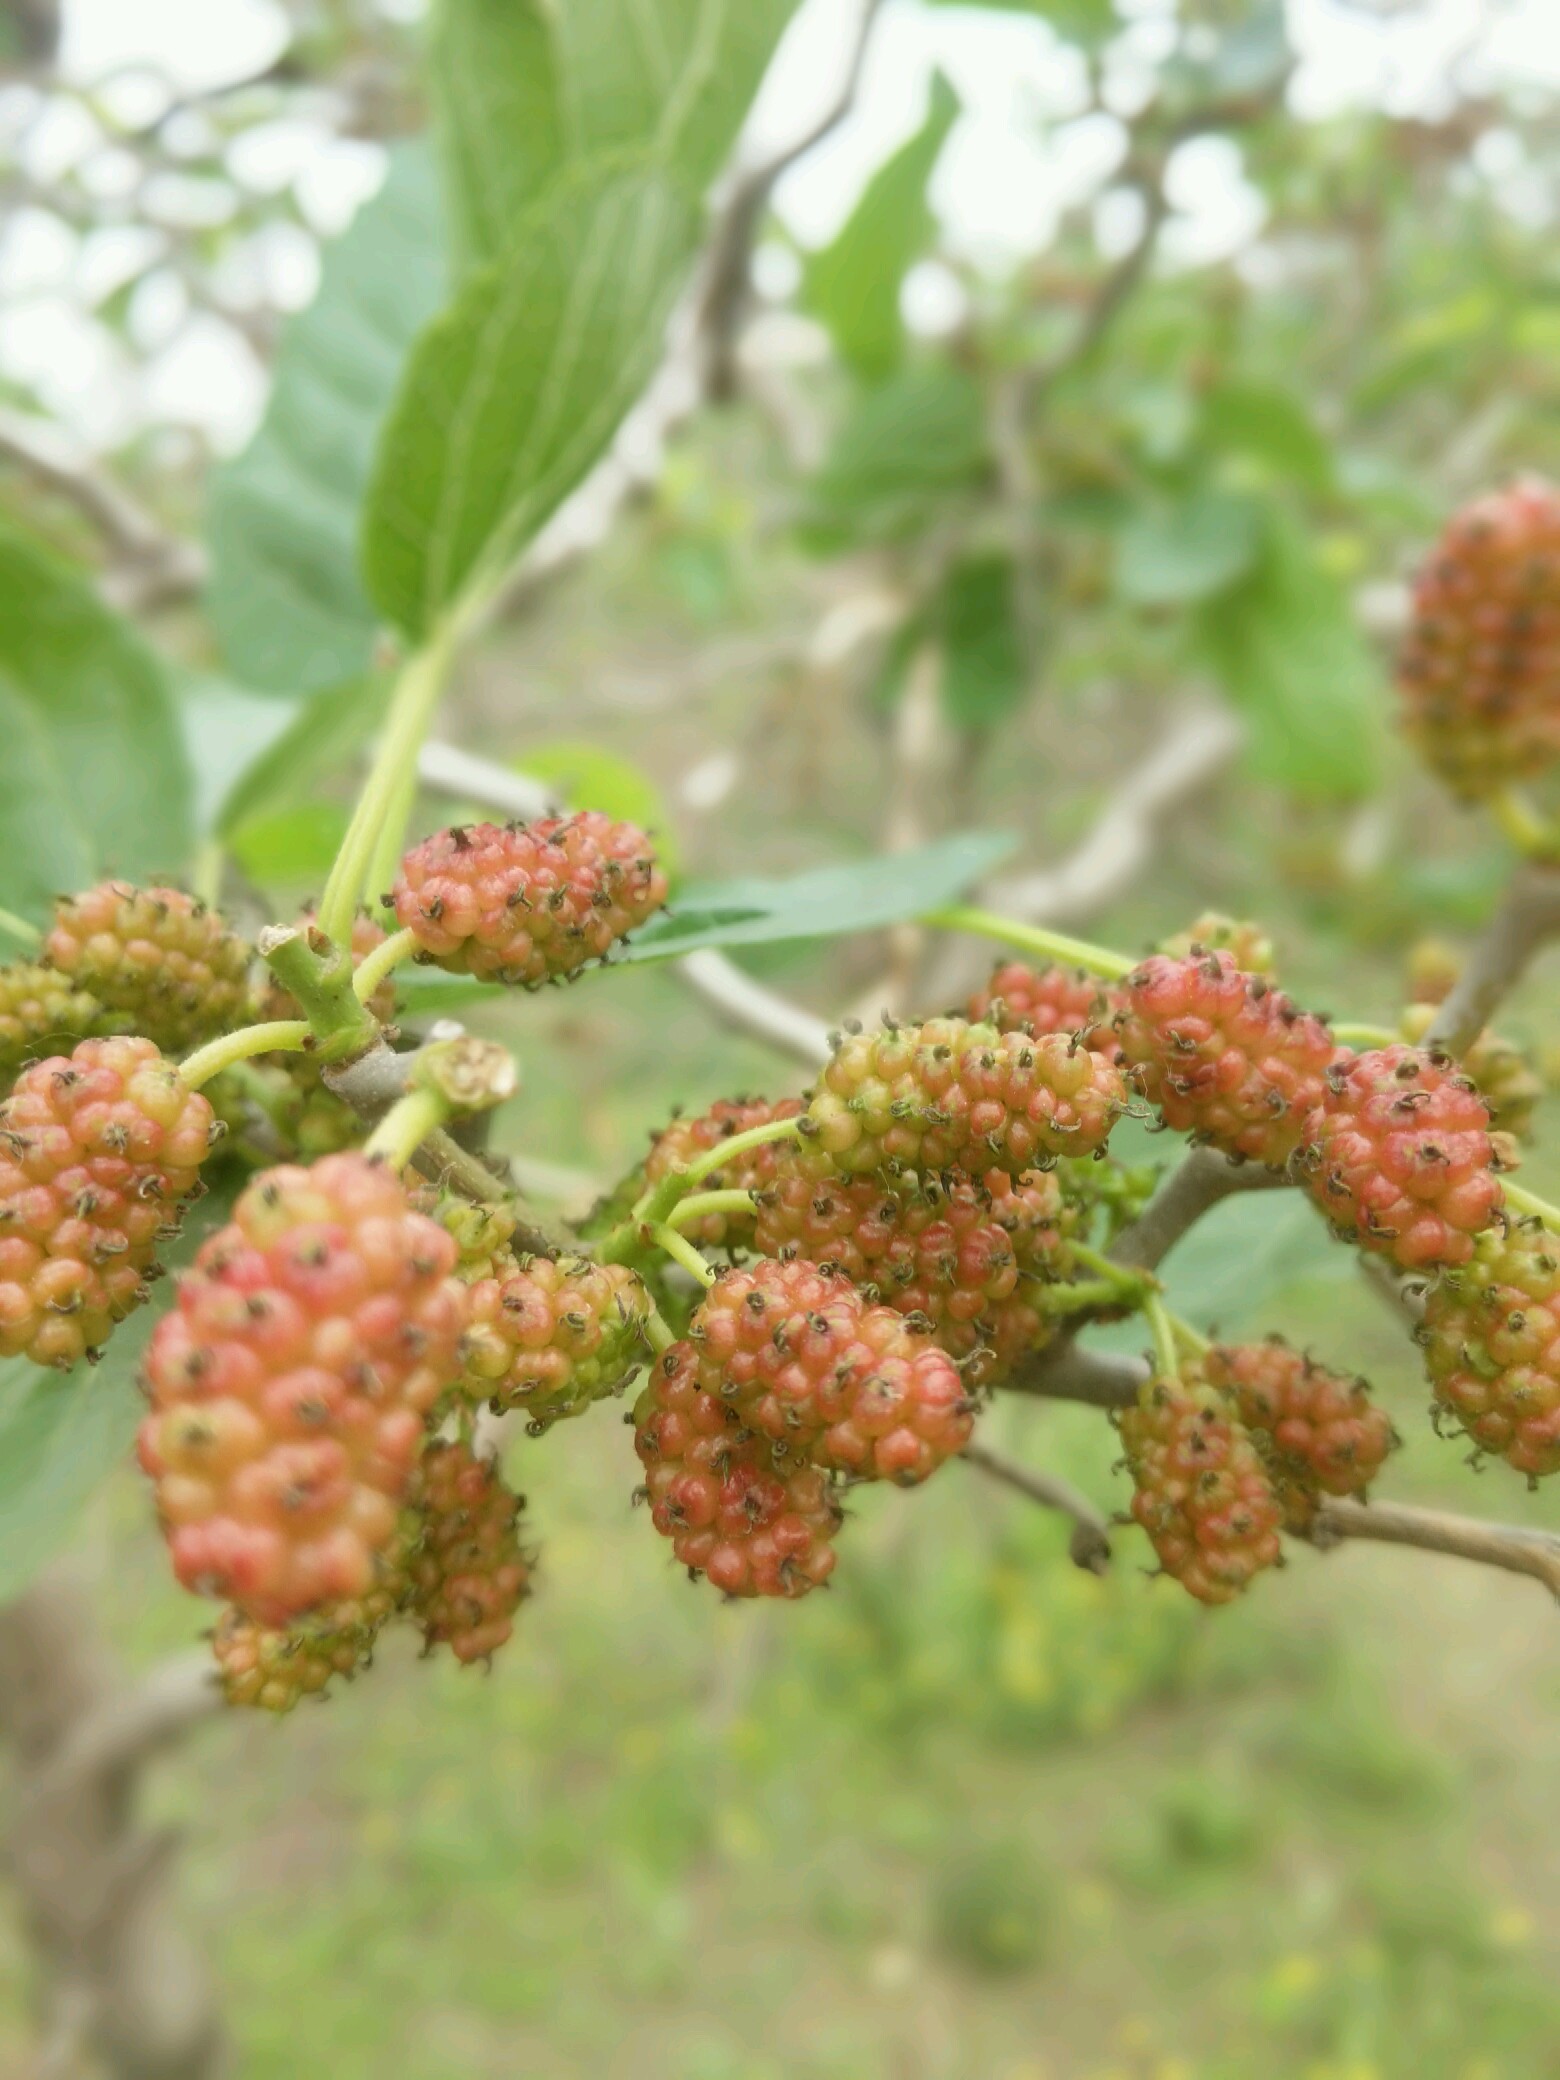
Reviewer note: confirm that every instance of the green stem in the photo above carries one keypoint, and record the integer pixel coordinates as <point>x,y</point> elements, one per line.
<point>1107,1267</point>
<point>681,1251</point>
<point>406,1126</point>
<point>1187,1337</point>
<point>276,1036</point>
<point>656,1204</point>
<point>1366,1036</point>
<point>1163,1332</point>
<point>383,961</point>
<point>416,695</point>
<point>1532,834</point>
<point>19,928</point>
<point>1530,1203</point>
<point>1078,1296</point>
<point>700,1203</point>
<point>322,984</point>
<point>657,1333</point>
<point>1031,938</point>
<point>206,877</point>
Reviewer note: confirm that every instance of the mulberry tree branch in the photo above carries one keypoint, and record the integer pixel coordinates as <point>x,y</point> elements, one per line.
<point>1513,1547</point>
<point>1528,917</point>
<point>1200,1181</point>
<point>1090,1541</point>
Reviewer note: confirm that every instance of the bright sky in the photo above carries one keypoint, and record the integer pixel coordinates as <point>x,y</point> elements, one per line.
<point>1021,154</point>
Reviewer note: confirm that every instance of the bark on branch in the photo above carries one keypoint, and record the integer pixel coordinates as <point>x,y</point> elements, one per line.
<point>1528,917</point>
<point>1200,1181</point>
<point>1509,1546</point>
<point>1090,1541</point>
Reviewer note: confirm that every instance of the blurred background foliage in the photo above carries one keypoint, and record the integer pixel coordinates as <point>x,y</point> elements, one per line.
<point>922,532</point>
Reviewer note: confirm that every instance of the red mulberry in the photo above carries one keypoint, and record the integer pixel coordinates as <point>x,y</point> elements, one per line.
<point>1491,1337</point>
<point>156,956</point>
<point>467,1573</point>
<point>755,1522</point>
<point>528,903</point>
<point>1201,1491</point>
<point>1399,1157</point>
<point>553,1335</point>
<point>1480,670</point>
<point>1021,999</point>
<point>1223,1055</point>
<point>291,1384</point>
<point>98,1151</point>
<point>1322,1435</point>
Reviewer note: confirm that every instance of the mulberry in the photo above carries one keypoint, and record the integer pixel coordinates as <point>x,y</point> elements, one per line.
<point>99,1149</point>
<point>467,1573</point>
<point>527,903</point>
<point>1201,1491</point>
<point>752,1171</point>
<point>1322,1435</point>
<point>39,1008</point>
<point>1491,1338</point>
<point>553,1335</point>
<point>1021,999</point>
<point>157,957</point>
<point>291,1383</point>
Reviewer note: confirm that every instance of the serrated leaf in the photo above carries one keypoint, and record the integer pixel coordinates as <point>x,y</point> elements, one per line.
<point>905,446</point>
<point>984,678</point>
<point>1176,551</point>
<point>1291,657</point>
<point>94,777</point>
<point>853,283</point>
<point>286,597</point>
<point>525,91</point>
<point>514,391</point>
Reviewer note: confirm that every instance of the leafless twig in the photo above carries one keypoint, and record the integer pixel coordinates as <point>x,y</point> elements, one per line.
<point>1065,1372</point>
<point>724,291</point>
<point>1528,917</point>
<point>1090,1541</point>
<point>1510,1546</point>
<point>150,566</point>
<point>1193,1188</point>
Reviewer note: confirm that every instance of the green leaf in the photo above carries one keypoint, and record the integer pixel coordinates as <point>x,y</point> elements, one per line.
<point>1172,553</point>
<point>525,91</point>
<point>63,1433</point>
<point>321,735</point>
<point>520,385</point>
<point>1272,426</point>
<point>906,446</point>
<point>825,903</point>
<point>285,597</point>
<point>586,776</point>
<point>1286,646</point>
<point>853,284</point>
<point>291,848</point>
<point>984,675</point>
<point>94,777</point>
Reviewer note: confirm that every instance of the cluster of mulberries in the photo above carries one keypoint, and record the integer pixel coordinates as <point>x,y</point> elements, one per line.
<point>1491,1338</point>
<point>527,903</point>
<point>1200,1488</point>
<point>950,1095</point>
<point>1480,670</point>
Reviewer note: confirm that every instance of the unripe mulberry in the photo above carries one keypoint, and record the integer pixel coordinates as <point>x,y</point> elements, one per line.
<point>1399,1157</point>
<point>482,1233</point>
<point>39,1009</point>
<point>1246,943</point>
<point>1491,1338</point>
<point>1053,999</point>
<point>752,1171</point>
<point>1504,1077</point>
<point>1201,1491</point>
<point>950,1095</point>
<point>272,1670</point>
<point>99,1149</point>
<point>805,1359</point>
<point>1223,1055</point>
<point>1321,1435</point>
<point>291,1383</point>
<point>528,903</point>
<point>467,1572</point>
<point>1480,670</point>
<point>754,1520</point>
<point>162,960</point>
<point>551,1336</point>
<point>947,1250</point>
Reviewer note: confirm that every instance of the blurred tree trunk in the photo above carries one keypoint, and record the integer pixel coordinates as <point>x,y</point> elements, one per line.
<point>122,1989</point>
